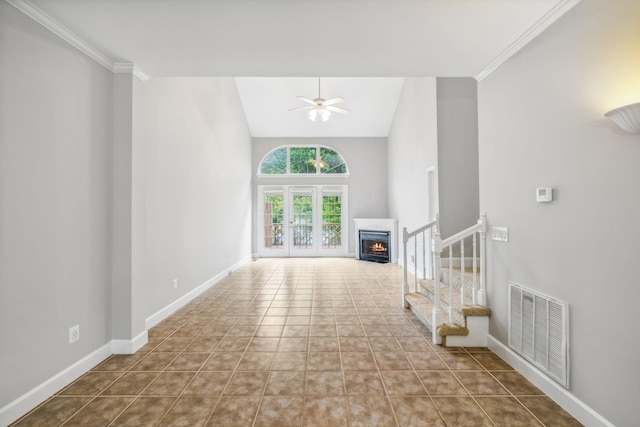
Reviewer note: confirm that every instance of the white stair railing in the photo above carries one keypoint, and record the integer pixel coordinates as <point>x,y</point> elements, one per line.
<point>428,232</point>
<point>479,293</point>
<point>438,245</point>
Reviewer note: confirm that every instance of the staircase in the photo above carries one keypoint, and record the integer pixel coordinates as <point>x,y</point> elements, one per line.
<point>450,300</point>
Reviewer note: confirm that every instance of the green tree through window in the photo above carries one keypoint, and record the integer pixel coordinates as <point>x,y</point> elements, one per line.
<point>275,162</point>
<point>303,160</point>
<point>331,162</point>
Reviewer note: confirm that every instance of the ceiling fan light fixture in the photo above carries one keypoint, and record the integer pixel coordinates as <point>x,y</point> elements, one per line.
<point>321,107</point>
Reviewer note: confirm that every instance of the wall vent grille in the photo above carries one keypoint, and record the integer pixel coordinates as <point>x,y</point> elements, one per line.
<point>539,331</point>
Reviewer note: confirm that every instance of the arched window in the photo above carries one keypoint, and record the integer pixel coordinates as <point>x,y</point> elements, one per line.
<point>303,160</point>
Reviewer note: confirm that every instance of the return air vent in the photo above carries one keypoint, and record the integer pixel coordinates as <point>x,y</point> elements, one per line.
<point>538,331</point>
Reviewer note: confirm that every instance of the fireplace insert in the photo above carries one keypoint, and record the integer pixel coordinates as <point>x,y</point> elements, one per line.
<point>374,246</point>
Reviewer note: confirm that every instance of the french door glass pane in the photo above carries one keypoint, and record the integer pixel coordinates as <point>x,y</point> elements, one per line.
<point>302,221</point>
<point>331,222</point>
<point>273,221</point>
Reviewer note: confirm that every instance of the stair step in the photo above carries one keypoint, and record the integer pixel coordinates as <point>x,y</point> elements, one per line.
<point>422,307</point>
<point>475,310</point>
<point>456,278</point>
<point>449,330</point>
<point>458,331</point>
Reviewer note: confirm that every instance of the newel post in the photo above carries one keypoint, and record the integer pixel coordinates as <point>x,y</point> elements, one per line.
<point>482,293</point>
<point>405,283</point>
<point>436,316</point>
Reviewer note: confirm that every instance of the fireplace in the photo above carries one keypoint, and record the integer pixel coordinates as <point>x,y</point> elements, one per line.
<point>388,226</point>
<point>374,246</point>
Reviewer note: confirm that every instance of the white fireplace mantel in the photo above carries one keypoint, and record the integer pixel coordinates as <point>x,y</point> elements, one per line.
<point>379,224</point>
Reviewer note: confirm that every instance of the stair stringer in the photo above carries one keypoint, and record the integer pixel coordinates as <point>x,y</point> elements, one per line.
<point>478,331</point>
<point>473,331</point>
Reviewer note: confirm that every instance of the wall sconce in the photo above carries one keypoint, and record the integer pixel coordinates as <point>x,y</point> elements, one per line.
<point>627,117</point>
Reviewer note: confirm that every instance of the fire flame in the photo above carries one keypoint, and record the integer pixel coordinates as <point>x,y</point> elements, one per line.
<point>378,247</point>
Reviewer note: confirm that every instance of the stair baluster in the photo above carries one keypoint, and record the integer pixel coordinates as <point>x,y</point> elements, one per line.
<point>474,290</point>
<point>450,284</point>
<point>415,264</point>
<point>462,272</point>
<point>405,283</point>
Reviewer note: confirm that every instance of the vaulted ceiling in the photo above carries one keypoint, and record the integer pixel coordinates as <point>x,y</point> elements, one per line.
<point>283,39</point>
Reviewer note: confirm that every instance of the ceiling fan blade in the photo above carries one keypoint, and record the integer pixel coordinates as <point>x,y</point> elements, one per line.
<point>333,100</point>
<point>302,108</point>
<point>310,101</point>
<point>337,110</point>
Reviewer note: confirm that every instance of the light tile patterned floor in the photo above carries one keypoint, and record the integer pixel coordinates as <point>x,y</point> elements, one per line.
<point>300,342</point>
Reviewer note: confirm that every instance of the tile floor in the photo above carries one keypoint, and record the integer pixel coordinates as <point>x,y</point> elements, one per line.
<point>300,342</point>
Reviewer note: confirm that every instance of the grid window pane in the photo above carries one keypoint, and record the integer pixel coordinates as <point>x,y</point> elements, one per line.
<point>303,160</point>
<point>273,221</point>
<point>331,162</point>
<point>275,162</point>
<point>303,222</point>
<point>331,222</point>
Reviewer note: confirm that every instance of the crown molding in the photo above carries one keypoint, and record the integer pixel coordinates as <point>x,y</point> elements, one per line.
<point>67,35</point>
<point>542,24</point>
<point>139,74</point>
<point>129,68</point>
<point>61,31</point>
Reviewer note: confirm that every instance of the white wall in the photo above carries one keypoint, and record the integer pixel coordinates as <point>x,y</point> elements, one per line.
<point>121,206</point>
<point>541,124</point>
<point>412,150</point>
<point>366,159</point>
<point>197,186</point>
<point>457,154</point>
<point>55,192</point>
<point>109,189</point>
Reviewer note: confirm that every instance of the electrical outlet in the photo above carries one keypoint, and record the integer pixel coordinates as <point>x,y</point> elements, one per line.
<point>500,234</point>
<point>229,255</point>
<point>175,283</point>
<point>74,334</point>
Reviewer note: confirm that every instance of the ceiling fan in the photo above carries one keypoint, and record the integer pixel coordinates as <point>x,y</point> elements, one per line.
<point>321,107</point>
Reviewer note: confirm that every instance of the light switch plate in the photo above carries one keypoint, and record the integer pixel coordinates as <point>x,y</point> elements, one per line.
<point>500,234</point>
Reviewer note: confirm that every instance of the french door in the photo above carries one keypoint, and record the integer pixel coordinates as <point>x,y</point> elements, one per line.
<point>302,221</point>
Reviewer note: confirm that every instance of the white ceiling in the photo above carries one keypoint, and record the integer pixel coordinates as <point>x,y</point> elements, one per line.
<point>267,101</point>
<point>304,38</point>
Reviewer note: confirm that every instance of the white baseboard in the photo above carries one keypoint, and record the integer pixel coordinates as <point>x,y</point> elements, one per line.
<point>577,408</point>
<point>129,346</point>
<point>167,311</point>
<point>25,403</point>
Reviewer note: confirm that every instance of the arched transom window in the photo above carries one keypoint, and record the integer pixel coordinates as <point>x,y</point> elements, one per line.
<point>303,160</point>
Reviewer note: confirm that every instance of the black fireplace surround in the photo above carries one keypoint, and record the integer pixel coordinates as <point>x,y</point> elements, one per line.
<point>374,246</point>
